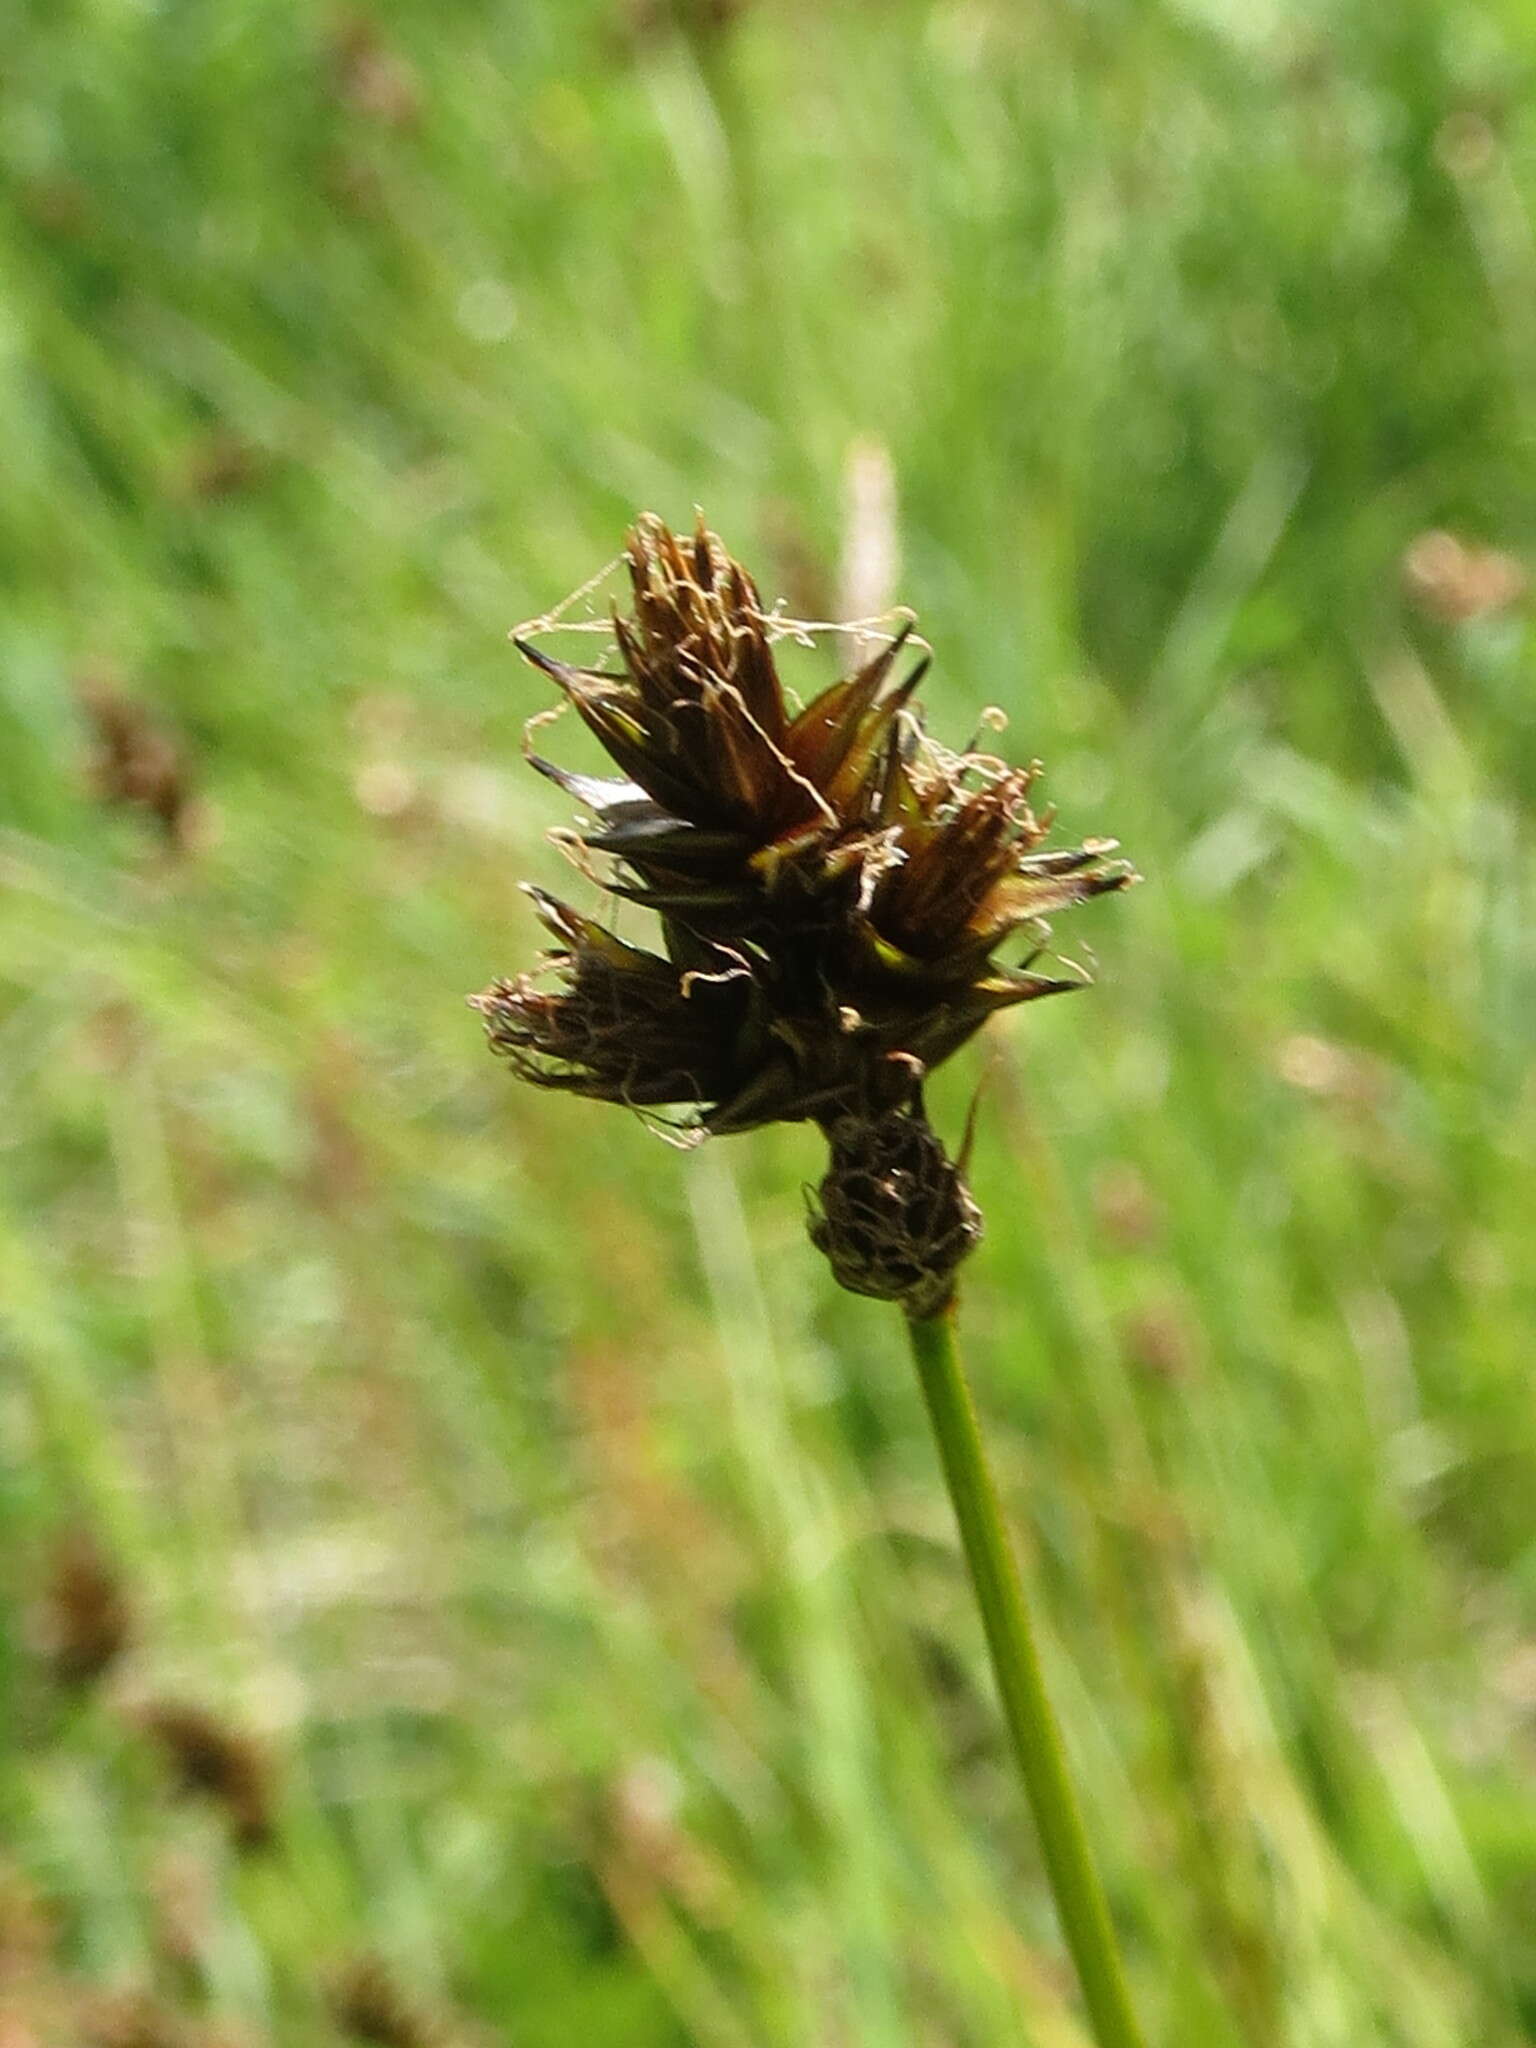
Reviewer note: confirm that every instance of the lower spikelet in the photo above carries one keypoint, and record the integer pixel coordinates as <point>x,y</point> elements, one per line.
<point>895,1217</point>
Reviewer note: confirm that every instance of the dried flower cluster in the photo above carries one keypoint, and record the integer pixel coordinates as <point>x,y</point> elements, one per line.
<point>833,888</point>
<point>368,2004</point>
<point>136,763</point>
<point>210,1758</point>
<point>85,1611</point>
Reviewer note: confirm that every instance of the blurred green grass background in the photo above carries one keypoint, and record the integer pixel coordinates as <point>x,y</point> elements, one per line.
<point>579,1560</point>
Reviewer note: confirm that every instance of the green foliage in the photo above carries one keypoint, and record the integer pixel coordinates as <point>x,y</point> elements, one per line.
<point>581,1561</point>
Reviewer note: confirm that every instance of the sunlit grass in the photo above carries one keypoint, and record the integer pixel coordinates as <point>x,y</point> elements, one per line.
<point>528,1490</point>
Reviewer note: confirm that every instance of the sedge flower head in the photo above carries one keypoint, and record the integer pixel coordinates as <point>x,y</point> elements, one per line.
<point>833,891</point>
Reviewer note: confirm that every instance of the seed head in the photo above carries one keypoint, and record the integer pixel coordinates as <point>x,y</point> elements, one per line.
<point>833,889</point>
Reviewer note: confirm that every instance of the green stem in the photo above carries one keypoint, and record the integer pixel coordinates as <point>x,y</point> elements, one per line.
<point>1080,1901</point>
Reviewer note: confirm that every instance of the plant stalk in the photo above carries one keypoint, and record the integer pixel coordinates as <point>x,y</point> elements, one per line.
<point>1080,1901</point>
